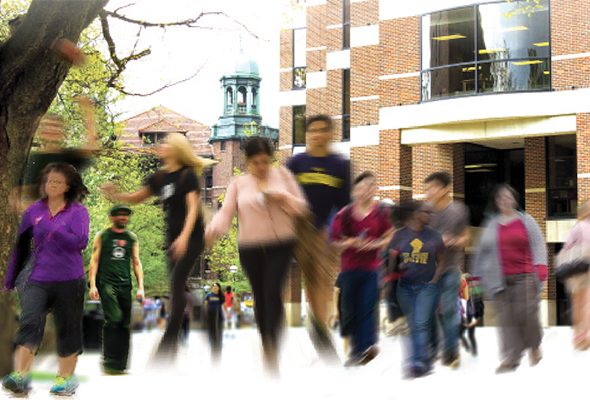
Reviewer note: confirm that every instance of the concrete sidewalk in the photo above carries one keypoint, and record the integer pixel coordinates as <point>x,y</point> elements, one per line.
<point>239,374</point>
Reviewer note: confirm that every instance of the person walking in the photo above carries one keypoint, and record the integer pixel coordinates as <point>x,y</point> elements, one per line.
<point>473,314</point>
<point>579,285</point>
<point>451,220</point>
<point>325,179</point>
<point>417,253</point>
<point>216,309</point>
<point>360,231</point>
<point>177,186</point>
<point>229,300</point>
<point>267,201</point>
<point>53,279</point>
<point>114,251</point>
<point>511,259</point>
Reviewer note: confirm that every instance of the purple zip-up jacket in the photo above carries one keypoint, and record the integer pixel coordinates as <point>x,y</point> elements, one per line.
<point>59,242</point>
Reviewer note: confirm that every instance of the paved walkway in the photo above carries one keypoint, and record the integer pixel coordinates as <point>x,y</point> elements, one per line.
<point>239,375</point>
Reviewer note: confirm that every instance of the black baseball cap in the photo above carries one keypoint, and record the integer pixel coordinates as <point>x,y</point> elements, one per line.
<point>120,209</point>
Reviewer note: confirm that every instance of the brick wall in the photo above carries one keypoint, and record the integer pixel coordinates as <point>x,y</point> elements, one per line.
<point>535,201</point>
<point>570,34</point>
<point>223,172</point>
<point>427,159</point>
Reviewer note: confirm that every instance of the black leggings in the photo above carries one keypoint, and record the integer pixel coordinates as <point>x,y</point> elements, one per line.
<point>471,334</point>
<point>266,267</point>
<point>179,273</point>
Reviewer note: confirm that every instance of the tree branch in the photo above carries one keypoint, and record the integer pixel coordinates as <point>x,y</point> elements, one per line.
<point>189,23</point>
<point>169,85</point>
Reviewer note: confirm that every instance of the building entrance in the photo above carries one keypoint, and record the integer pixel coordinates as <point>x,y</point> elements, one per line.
<point>484,168</point>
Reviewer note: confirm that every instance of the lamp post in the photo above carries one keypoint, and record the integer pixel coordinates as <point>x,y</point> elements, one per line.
<point>233,269</point>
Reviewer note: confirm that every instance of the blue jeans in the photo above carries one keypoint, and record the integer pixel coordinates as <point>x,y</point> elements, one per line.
<point>418,303</point>
<point>360,294</point>
<point>449,283</point>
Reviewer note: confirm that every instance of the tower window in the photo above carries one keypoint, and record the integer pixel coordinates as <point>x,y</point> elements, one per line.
<point>222,146</point>
<point>299,58</point>
<point>345,104</point>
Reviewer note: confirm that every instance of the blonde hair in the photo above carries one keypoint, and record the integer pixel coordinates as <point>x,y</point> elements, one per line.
<point>183,150</point>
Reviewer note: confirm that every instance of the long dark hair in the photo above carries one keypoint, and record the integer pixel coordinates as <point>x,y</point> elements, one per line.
<point>492,207</point>
<point>77,191</point>
<point>219,286</point>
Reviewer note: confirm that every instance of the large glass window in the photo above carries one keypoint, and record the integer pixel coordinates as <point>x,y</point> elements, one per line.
<point>299,58</point>
<point>298,125</point>
<point>496,47</point>
<point>346,24</point>
<point>345,104</point>
<point>562,174</point>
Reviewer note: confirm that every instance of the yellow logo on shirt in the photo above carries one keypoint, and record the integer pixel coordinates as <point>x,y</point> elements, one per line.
<point>416,256</point>
<point>316,178</point>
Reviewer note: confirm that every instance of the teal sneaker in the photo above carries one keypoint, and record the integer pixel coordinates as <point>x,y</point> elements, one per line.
<point>64,386</point>
<point>17,383</point>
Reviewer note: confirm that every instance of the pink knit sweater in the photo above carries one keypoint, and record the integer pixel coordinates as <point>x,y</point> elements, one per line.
<point>259,223</point>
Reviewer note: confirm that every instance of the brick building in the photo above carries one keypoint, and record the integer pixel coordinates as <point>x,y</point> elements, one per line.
<point>494,91</point>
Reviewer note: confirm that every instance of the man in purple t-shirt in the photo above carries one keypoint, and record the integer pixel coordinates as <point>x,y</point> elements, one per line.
<point>361,231</point>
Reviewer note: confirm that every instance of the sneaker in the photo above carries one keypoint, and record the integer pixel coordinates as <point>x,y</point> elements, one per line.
<point>535,356</point>
<point>369,355</point>
<point>113,371</point>
<point>507,366</point>
<point>455,364</point>
<point>17,383</point>
<point>353,361</point>
<point>64,386</point>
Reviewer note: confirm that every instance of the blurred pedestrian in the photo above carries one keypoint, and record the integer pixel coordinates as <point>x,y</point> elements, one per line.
<point>511,259</point>
<point>325,179</point>
<point>216,309</point>
<point>267,201</point>
<point>114,251</point>
<point>177,186</point>
<point>53,279</point>
<point>229,301</point>
<point>473,314</point>
<point>401,217</point>
<point>579,285</point>
<point>360,231</point>
<point>451,220</point>
<point>417,251</point>
<point>51,136</point>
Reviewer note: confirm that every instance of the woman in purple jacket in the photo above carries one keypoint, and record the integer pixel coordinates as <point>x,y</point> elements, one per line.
<point>55,280</point>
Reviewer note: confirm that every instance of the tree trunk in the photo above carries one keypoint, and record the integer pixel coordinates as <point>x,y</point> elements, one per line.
<point>30,77</point>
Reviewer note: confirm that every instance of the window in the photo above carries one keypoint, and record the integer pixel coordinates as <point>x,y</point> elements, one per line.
<point>150,139</point>
<point>209,180</point>
<point>222,146</point>
<point>345,104</point>
<point>299,58</point>
<point>298,125</point>
<point>346,24</point>
<point>496,47</point>
<point>562,175</point>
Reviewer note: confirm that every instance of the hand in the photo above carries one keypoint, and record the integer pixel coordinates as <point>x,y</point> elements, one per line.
<point>210,236</point>
<point>434,282</point>
<point>471,325</point>
<point>38,220</point>
<point>273,197</point>
<point>109,189</point>
<point>449,240</point>
<point>178,248</point>
<point>94,293</point>
<point>350,242</point>
<point>140,296</point>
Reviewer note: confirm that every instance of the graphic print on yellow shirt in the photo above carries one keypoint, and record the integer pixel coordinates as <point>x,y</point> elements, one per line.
<point>417,252</point>
<point>416,256</point>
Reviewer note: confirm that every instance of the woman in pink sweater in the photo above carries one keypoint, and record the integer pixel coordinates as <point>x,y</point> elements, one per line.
<point>267,201</point>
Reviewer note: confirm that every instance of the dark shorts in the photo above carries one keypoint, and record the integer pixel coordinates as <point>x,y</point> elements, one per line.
<point>65,300</point>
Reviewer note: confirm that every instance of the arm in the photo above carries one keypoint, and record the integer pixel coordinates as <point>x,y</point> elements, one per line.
<point>93,268</point>
<point>437,273</point>
<point>293,200</point>
<point>341,242</point>
<point>138,197</point>
<point>221,222</point>
<point>461,241</point>
<point>25,224</point>
<point>336,293</point>
<point>138,270</point>
<point>77,240</point>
